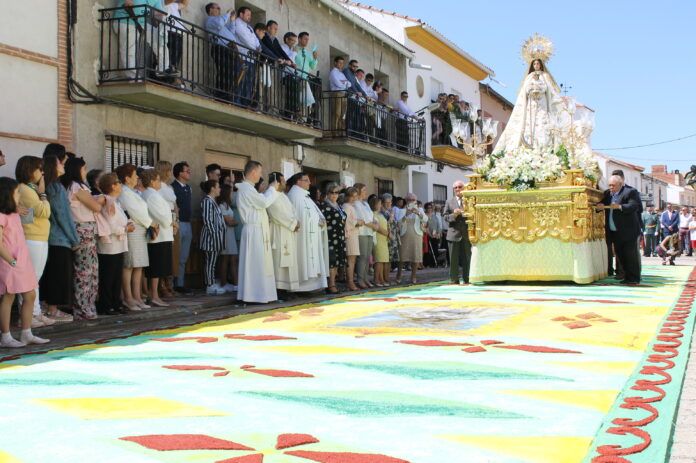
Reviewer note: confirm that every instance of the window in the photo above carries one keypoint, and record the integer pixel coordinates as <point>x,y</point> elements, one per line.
<point>436,87</point>
<point>384,186</point>
<point>121,150</point>
<point>439,193</point>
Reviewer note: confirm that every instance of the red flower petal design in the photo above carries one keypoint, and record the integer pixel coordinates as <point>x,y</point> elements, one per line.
<point>256,458</point>
<point>432,343</point>
<point>474,350</point>
<point>262,337</point>
<point>276,373</point>
<point>293,440</point>
<point>192,367</point>
<point>588,316</point>
<point>576,325</point>
<point>539,349</point>
<point>344,457</point>
<point>169,442</point>
<point>198,339</point>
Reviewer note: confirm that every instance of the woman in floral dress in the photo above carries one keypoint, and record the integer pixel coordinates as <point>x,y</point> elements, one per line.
<point>335,227</point>
<point>86,265</point>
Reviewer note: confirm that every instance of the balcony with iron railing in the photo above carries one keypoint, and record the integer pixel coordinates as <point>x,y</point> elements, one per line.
<point>460,137</point>
<point>167,64</point>
<point>362,128</point>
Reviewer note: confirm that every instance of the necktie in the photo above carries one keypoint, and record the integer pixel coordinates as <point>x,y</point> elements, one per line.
<point>614,200</point>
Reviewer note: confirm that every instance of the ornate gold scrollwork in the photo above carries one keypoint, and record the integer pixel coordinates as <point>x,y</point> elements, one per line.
<point>563,210</point>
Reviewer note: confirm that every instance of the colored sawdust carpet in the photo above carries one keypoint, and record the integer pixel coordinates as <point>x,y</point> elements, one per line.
<point>427,374</point>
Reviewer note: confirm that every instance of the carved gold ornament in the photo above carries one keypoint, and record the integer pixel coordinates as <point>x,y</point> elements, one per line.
<point>563,210</point>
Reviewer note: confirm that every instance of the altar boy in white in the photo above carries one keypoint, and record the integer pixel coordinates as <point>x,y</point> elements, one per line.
<point>284,227</point>
<point>256,277</point>
<point>312,239</point>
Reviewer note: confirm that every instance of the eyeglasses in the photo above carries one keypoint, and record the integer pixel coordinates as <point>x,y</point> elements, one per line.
<point>334,192</point>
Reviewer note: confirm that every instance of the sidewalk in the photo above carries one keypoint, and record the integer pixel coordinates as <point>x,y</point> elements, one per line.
<point>185,310</point>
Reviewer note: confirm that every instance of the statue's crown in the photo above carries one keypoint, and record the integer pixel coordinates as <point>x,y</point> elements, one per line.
<point>537,47</point>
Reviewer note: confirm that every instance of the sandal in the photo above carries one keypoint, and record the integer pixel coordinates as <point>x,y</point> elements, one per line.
<point>332,290</point>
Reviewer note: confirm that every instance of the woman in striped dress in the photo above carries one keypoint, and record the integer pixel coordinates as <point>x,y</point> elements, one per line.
<point>212,235</point>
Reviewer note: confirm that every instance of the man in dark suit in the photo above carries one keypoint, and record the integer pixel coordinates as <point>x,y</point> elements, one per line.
<point>270,39</point>
<point>622,205</point>
<point>610,253</point>
<point>457,236</point>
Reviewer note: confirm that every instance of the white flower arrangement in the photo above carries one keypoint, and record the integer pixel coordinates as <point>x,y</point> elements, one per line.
<point>522,168</point>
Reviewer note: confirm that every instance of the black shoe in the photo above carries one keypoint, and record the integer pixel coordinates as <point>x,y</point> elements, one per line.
<point>183,290</point>
<point>629,282</point>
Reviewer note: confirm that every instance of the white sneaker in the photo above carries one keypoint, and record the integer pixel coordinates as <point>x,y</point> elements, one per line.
<point>36,322</point>
<point>229,288</point>
<point>46,320</point>
<point>214,290</point>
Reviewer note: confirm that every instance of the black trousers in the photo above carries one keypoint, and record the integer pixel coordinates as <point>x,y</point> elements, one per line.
<point>175,45</point>
<point>402,135</point>
<point>460,256</point>
<point>110,277</point>
<point>224,60</point>
<point>55,287</point>
<point>627,253</point>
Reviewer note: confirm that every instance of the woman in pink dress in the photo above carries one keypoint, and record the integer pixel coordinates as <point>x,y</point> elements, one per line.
<point>352,227</point>
<point>16,271</point>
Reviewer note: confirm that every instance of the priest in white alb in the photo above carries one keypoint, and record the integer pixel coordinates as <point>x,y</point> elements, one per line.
<point>284,227</point>
<point>256,275</point>
<point>312,238</point>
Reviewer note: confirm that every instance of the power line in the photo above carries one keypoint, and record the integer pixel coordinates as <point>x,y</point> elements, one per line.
<point>649,144</point>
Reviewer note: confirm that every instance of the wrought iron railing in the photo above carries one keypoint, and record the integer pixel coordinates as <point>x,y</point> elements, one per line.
<point>348,115</point>
<point>142,43</point>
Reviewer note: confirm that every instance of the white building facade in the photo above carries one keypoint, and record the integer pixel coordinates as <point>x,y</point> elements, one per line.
<point>452,71</point>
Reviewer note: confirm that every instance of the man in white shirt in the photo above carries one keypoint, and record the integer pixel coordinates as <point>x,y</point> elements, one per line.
<point>403,137</point>
<point>245,72</point>
<point>369,91</point>
<point>684,235</point>
<point>221,48</point>
<point>256,276</point>
<point>312,239</point>
<point>338,82</point>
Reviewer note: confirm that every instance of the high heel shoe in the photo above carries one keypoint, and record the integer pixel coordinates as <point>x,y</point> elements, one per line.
<point>132,306</point>
<point>142,305</point>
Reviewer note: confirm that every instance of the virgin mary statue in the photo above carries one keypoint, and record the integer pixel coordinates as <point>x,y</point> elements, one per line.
<point>536,105</point>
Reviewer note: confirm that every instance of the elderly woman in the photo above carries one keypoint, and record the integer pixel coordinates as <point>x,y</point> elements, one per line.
<point>159,247</point>
<point>112,247</point>
<point>352,228</point>
<point>335,227</point>
<point>412,225</point>
<point>136,258</point>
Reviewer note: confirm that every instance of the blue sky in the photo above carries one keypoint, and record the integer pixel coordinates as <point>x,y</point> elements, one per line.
<point>633,62</point>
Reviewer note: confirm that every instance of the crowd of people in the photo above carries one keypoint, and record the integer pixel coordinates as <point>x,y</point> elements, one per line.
<point>669,233</point>
<point>251,60</point>
<point>79,243</point>
<point>451,112</point>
